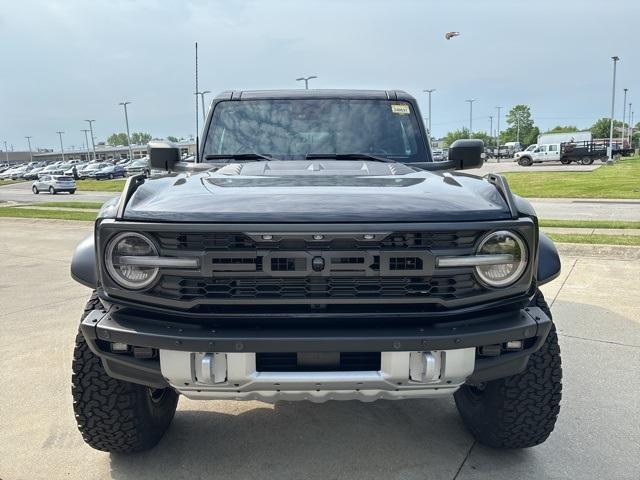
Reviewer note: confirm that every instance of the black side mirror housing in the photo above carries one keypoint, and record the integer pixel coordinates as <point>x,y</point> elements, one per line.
<point>466,154</point>
<point>163,155</point>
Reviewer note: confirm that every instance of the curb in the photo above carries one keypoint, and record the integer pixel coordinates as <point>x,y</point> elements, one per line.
<point>617,252</point>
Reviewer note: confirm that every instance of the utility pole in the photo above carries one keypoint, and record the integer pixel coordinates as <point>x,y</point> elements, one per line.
<point>61,146</point>
<point>490,126</point>
<point>613,106</point>
<point>429,93</point>
<point>86,139</point>
<point>306,81</point>
<point>498,135</point>
<point>29,142</point>
<point>518,129</point>
<point>630,124</point>
<point>6,152</point>
<point>624,116</point>
<point>471,114</point>
<point>126,119</point>
<point>93,142</point>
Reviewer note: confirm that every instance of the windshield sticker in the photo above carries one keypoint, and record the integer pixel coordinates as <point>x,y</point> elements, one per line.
<point>400,108</point>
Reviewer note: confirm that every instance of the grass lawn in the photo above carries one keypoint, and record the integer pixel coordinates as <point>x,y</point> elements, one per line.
<point>595,239</point>
<point>9,182</point>
<point>94,205</point>
<point>100,185</point>
<point>589,223</point>
<point>25,212</point>
<point>621,180</point>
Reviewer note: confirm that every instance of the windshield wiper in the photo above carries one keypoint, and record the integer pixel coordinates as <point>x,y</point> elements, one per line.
<point>240,156</point>
<point>349,156</point>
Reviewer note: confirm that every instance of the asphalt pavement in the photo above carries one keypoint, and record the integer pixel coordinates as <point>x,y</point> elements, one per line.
<point>597,436</point>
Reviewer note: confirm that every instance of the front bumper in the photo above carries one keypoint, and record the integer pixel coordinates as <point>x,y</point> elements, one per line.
<point>183,346</point>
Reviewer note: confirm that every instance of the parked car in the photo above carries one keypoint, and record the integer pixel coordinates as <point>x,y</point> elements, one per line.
<point>78,166</point>
<point>139,166</point>
<point>352,275</point>
<point>33,173</point>
<point>54,184</point>
<point>48,170</point>
<point>17,173</point>
<point>6,175</point>
<point>90,170</point>
<point>438,155</point>
<point>109,172</point>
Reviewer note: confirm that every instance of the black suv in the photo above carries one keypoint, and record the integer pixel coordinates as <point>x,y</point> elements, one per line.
<point>314,251</point>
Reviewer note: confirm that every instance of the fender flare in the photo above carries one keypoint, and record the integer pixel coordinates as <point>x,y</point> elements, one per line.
<point>548,260</point>
<point>83,263</point>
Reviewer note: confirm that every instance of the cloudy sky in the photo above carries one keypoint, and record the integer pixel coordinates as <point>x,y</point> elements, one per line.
<point>63,61</point>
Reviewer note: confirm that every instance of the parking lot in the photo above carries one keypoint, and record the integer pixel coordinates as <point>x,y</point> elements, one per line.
<point>597,435</point>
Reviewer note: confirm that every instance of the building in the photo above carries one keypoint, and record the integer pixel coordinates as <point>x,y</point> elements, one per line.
<point>105,152</point>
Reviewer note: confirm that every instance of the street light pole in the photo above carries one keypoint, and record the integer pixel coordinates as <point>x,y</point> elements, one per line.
<point>429,93</point>
<point>6,152</point>
<point>490,126</point>
<point>518,129</point>
<point>498,135</point>
<point>470,114</point>
<point>86,140</point>
<point>624,116</point>
<point>29,142</point>
<point>630,124</point>
<point>613,106</point>
<point>126,119</point>
<point>61,146</point>
<point>306,81</point>
<point>93,142</point>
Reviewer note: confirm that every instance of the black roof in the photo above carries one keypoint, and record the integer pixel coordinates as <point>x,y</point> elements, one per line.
<point>314,93</point>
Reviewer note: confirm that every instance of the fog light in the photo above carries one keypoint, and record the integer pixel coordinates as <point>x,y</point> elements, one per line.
<point>514,345</point>
<point>369,236</point>
<point>119,347</point>
<point>318,237</point>
<point>267,237</point>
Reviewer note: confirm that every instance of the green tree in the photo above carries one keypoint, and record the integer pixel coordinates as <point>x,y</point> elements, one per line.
<point>520,115</point>
<point>118,139</point>
<point>463,133</point>
<point>140,138</point>
<point>173,139</point>
<point>563,129</point>
<point>601,128</point>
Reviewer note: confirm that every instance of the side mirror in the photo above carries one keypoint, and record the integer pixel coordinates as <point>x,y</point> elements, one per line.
<point>466,154</point>
<point>163,155</point>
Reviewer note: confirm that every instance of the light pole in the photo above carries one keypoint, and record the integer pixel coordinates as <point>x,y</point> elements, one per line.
<point>429,93</point>
<point>202,99</point>
<point>624,116</point>
<point>490,126</point>
<point>126,119</point>
<point>470,114</point>
<point>613,106</point>
<point>630,124</point>
<point>86,140</point>
<point>306,81</point>
<point>61,146</point>
<point>29,142</point>
<point>6,152</point>
<point>498,135</point>
<point>93,143</point>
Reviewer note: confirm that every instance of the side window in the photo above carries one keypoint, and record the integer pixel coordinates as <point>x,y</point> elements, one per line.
<point>541,148</point>
<point>553,148</point>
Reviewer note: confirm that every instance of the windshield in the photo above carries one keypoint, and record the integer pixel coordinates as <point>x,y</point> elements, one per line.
<point>294,128</point>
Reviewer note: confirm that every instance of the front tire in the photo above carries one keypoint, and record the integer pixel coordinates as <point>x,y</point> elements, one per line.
<point>35,190</point>
<point>518,411</point>
<point>113,415</point>
<point>52,191</point>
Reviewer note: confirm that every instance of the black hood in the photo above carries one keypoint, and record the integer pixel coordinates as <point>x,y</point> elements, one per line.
<point>316,191</point>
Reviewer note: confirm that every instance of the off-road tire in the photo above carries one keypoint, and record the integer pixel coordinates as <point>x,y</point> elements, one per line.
<point>518,411</point>
<point>113,415</point>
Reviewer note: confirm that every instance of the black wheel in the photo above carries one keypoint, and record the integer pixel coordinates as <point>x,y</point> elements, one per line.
<point>52,191</point>
<point>71,192</point>
<point>525,162</point>
<point>564,161</point>
<point>586,160</point>
<point>113,415</point>
<point>518,411</point>
<point>35,190</point>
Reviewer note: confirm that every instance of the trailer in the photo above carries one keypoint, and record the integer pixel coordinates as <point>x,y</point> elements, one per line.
<point>584,153</point>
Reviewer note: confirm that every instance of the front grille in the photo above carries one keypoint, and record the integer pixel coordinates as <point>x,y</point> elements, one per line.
<point>241,241</point>
<point>187,289</point>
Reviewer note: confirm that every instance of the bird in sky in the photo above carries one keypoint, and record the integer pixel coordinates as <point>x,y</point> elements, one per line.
<point>450,35</point>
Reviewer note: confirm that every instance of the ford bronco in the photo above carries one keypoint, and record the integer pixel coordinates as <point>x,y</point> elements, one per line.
<point>315,251</point>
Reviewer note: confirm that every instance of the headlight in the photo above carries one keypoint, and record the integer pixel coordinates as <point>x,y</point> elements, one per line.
<point>502,243</point>
<point>120,259</point>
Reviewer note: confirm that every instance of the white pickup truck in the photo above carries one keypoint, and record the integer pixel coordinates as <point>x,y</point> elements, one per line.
<point>580,152</point>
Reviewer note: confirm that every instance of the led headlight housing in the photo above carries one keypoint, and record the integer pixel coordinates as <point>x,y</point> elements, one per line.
<point>512,249</point>
<point>125,262</point>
